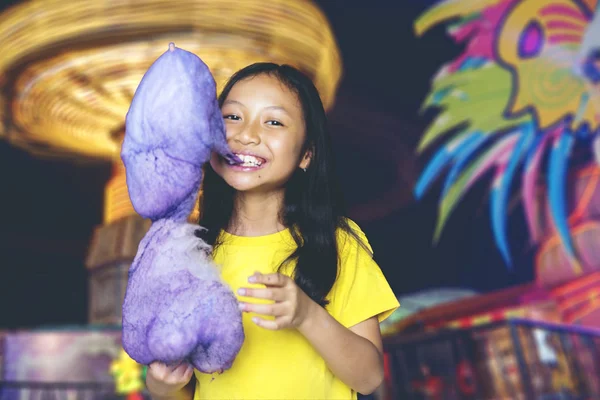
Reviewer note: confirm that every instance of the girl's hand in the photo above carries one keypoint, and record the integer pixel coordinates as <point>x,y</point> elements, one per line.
<point>165,381</point>
<point>291,307</point>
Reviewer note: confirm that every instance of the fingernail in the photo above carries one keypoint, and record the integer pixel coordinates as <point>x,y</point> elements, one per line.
<point>242,306</point>
<point>255,320</point>
<point>252,279</point>
<point>241,291</point>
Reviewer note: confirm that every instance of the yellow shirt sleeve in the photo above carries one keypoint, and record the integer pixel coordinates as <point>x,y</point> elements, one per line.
<point>361,290</point>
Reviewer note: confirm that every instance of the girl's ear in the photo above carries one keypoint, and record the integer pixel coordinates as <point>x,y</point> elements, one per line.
<point>306,159</point>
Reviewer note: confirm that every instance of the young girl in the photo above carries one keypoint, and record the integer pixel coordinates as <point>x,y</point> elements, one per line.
<point>311,294</point>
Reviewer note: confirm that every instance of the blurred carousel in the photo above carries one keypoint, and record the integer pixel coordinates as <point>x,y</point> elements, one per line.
<point>68,72</point>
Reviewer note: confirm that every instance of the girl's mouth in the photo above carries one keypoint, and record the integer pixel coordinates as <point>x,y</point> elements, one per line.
<point>249,162</point>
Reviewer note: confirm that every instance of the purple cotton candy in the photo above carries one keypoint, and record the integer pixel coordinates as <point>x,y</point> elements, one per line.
<point>173,125</point>
<point>176,306</point>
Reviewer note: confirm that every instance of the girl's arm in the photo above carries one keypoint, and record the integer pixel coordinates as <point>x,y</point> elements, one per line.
<point>353,354</point>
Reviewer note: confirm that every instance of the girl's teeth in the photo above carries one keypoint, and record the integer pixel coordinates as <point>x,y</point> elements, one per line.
<point>249,161</point>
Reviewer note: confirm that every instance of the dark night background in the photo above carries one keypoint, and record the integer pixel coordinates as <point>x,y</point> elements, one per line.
<point>50,208</point>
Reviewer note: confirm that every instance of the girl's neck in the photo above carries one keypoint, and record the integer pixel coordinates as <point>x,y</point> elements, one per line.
<point>256,214</point>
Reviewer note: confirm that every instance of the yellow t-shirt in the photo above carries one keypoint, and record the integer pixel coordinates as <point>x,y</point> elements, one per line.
<point>283,364</point>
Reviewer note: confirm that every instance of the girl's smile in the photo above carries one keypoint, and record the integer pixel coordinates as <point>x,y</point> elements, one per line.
<point>250,162</point>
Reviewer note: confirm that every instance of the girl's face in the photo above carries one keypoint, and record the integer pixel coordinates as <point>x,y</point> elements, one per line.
<point>265,128</point>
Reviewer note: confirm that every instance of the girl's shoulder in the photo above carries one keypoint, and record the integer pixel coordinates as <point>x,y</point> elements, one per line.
<point>351,237</point>
<point>361,290</point>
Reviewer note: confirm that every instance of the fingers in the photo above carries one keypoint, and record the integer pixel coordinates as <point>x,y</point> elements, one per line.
<point>188,373</point>
<point>273,280</point>
<point>182,373</point>
<point>274,284</point>
<point>171,374</point>
<point>274,325</point>
<point>267,294</point>
<point>275,309</point>
<point>279,289</point>
<point>158,370</point>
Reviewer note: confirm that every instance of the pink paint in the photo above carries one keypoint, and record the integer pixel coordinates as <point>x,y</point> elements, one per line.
<point>533,40</point>
<point>464,32</point>
<point>499,175</point>
<point>503,159</point>
<point>530,177</point>
<point>500,149</point>
<point>563,11</point>
<point>565,25</point>
<point>483,30</point>
<point>564,38</point>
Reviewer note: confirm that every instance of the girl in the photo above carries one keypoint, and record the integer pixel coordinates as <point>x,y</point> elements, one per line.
<point>311,294</point>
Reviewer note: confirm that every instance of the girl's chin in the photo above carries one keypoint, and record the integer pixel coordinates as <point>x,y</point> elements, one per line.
<point>242,183</point>
<point>253,187</point>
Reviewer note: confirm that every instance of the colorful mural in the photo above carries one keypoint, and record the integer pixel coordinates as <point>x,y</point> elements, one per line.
<point>527,82</point>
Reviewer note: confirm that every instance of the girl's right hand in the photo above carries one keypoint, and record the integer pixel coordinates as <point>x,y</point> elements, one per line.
<point>166,381</point>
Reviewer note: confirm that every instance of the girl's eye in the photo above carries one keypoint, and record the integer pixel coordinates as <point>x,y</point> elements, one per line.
<point>274,123</point>
<point>231,117</point>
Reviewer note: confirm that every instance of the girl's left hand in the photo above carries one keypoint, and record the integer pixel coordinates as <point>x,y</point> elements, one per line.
<point>291,306</point>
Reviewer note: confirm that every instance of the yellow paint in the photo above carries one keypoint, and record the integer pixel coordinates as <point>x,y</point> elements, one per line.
<point>448,10</point>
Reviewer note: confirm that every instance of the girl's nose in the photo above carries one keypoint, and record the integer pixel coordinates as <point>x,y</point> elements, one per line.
<point>248,135</point>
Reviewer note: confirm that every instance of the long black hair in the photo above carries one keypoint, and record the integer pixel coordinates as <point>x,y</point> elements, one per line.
<point>313,206</point>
